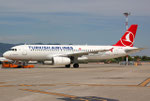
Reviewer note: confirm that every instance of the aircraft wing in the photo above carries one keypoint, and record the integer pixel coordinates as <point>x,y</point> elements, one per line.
<point>81,53</point>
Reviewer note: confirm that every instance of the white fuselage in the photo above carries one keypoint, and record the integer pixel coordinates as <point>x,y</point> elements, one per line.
<point>47,52</point>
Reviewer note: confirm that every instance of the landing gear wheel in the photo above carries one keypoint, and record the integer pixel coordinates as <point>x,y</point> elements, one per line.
<point>76,65</point>
<point>67,66</point>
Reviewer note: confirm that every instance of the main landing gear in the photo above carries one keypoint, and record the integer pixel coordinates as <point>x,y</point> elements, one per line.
<point>67,66</point>
<point>76,65</point>
<point>74,61</point>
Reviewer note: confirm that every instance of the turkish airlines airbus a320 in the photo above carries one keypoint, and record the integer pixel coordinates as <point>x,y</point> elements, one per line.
<point>72,54</point>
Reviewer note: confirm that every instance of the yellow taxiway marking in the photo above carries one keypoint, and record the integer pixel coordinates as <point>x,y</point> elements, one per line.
<point>46,85</point>
<point>7,85</point>
<point>110,85</point>
<point>37,85</point>
<point>50,93</point>
<point>25,85</point>
<point>59,94</point>
<point>90,85</point>
<point>2,82</point>
<point>76,84</point>
<point>145,82</point>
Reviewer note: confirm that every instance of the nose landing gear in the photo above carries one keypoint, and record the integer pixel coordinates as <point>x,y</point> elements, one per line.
<point>67,66</point>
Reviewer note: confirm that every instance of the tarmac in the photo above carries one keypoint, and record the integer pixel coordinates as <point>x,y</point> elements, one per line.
<point>90,82</point>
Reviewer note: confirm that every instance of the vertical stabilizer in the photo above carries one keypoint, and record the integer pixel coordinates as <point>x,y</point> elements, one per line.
<point>128,38</point>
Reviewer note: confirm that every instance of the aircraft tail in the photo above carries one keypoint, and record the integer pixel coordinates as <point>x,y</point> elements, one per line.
<point>128,38</point>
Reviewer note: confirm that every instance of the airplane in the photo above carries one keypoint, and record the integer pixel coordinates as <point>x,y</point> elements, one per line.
<point>4,59</point>
<point>72,54</point>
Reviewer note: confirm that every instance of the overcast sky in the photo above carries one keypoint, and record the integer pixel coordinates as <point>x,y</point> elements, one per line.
<point>96,22</point>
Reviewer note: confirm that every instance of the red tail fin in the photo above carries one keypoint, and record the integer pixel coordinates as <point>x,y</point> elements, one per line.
<point>128,38</point>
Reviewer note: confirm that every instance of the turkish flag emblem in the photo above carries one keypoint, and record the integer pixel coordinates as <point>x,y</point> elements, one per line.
<point>127,39</point>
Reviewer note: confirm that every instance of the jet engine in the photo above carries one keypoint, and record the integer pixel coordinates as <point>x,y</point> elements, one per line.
<point>61,60</point>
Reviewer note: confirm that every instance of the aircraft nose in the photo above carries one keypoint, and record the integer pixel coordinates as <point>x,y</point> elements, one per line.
<point>6,55</point>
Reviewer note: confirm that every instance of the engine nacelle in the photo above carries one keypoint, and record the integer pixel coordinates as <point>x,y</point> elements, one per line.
<point>61,60</point>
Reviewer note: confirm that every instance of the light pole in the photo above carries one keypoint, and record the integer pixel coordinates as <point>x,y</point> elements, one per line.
<point>126,14</point>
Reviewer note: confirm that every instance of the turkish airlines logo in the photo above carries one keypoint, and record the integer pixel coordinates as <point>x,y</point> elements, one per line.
<point>79,48</point>
<point>128,39</point>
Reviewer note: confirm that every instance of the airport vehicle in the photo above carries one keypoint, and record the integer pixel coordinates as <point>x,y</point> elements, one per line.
<point>8,64</point>
<point>72,54</point>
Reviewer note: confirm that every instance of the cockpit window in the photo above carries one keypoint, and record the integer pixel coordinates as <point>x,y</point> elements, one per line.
<point>13,49</point>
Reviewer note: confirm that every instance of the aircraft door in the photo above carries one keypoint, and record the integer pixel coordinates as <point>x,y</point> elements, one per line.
<point>24,52</point>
